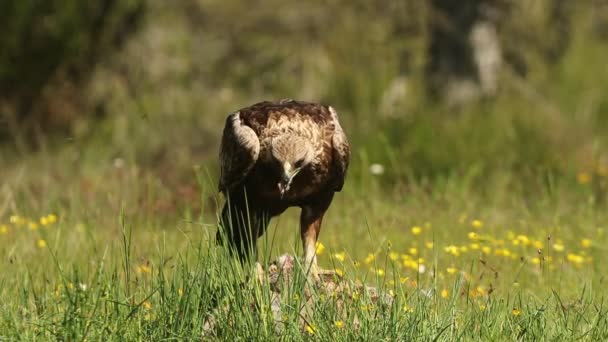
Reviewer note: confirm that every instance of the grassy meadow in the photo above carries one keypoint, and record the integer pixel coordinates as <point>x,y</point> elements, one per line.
<point>484,220</point>
<point>103,249</point>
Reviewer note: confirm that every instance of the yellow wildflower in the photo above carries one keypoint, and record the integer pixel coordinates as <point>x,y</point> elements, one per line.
<point>583,177</point>
<point>380,272</point>
<point>428,244</point>
<point>339,272</point>
<point>452,250</point>
<point>516,312</point>
<point>486,250</point>
<point>339,324</point>
<point>413,251</point>
<point>319,248</point>
<point>416,230</point>
<point>537,244</point>
<point>370,258</point>
<point>502,251</point>
<point>409,263</point>
<point>477,224</point>
<point>180,292</point>
<point>393,256</point>
<point>474,246</point>
<point>147,305</point>
<point>143,269</point>
<point>602,170</point>
<point>452,270</point>
<point>575,258</point>
<point>340,256</point>
<point>16,220</point>
<point>41,243</point>
<point>558,247</point>
<point>586,243</point>
<point>536,261</point>
<point>473,235</point>
<point>3,229</point>
<point>444,293</point>
<point>33,225</point>
<point>48,220</point>
<point>482,307</point>
<point>523,239</point>
<point>403,280</point>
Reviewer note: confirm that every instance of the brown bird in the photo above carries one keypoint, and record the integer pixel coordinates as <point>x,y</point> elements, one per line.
<point>275,155</point>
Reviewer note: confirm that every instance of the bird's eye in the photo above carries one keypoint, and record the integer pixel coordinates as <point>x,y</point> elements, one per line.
<point>298,163</point>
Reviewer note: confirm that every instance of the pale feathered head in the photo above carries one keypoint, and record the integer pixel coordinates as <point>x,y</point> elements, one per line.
<point>290,153</point>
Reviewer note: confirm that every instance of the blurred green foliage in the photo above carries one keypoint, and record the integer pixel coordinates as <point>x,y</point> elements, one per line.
<point>48,49</point>
<point>429,88</point>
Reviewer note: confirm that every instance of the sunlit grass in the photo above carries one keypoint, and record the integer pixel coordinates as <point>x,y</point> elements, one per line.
<point>480,222</point>
<point>458,264</point>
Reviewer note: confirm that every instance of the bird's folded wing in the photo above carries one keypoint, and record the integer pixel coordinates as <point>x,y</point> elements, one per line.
<point>239,150</point>
<point>340,151</point>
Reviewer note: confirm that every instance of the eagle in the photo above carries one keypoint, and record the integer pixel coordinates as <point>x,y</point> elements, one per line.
<point>275,155</point>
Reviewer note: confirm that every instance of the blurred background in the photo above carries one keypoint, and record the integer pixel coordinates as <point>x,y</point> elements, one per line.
<point>479,131</point>
<point>122,101</point>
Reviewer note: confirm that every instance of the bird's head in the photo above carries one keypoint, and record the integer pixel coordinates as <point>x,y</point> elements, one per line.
<point>290,153</point>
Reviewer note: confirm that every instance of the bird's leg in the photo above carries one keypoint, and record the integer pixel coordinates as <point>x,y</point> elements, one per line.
<point>310,226</point>
<point>242,225</point>
<point>235,231</point>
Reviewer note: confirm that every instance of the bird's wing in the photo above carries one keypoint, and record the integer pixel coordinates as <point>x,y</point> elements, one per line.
<point>239,151</point>
<point>340,151</point>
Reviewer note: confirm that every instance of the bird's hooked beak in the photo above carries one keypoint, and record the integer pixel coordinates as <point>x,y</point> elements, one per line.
<point>286,178</point>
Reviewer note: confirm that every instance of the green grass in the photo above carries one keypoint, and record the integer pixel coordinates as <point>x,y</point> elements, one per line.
<point>489,222</point>
<point>125,261</point>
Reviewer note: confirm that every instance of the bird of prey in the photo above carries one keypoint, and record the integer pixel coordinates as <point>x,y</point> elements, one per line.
<point>276,155</point>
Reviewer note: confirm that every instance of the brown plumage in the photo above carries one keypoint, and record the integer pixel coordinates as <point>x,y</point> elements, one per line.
<point>276,155</point>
